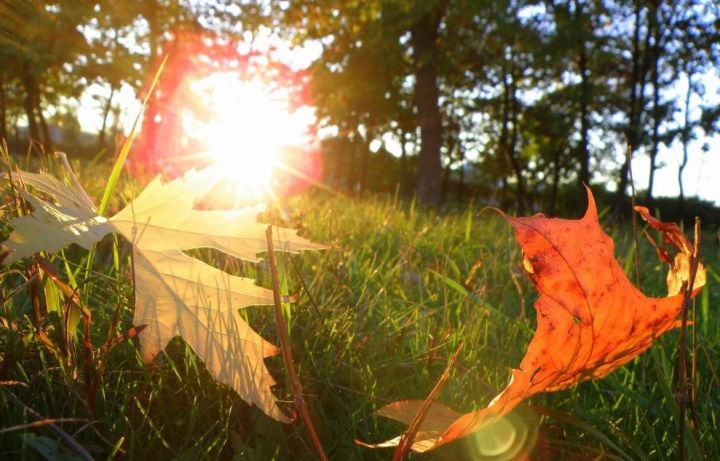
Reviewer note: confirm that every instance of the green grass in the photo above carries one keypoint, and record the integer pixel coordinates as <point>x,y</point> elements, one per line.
<point>377,318</point>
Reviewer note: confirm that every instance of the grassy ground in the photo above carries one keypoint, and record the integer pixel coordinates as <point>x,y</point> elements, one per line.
<point>378,316</point>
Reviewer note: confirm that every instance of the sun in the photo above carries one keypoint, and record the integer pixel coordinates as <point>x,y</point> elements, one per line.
<point>242,127</point>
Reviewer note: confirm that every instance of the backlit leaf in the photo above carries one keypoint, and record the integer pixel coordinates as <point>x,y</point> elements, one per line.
<point>590,318</point>
<point>175,294</point>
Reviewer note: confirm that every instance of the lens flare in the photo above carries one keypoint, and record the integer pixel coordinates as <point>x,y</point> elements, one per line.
<point>245,128</point>
<point>505,439</point>
<point>243,108</point>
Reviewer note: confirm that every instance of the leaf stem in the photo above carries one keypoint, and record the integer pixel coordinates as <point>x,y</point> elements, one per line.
<point>406,440</point>
<point>287,354</point>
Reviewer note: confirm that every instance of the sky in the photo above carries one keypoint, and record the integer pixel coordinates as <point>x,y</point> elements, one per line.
<point>702,173</point>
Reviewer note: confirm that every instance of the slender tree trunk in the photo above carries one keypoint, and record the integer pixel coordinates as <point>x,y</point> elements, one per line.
<point>16,131</point>
<point>424,41</point>
<point>365,163</point>
<point>656,129</point>
<point>637,89</point>
<point>47,138</point>
<point>116,127</point>
<point>447,172</point>
<point>102,134</point>
<point>154,26</point>
<point>29,104</point>
<point>508,136</point>
<point>555,183</point>
<point>3,110</point>
<point>352,166</point>
<point>445,183</point>
<point>584,100</point>
<point>654,76</point>
<point>461,175</point>
<point>403,176</point>
<point>504,194</point>
<point>363,143</point>
<point>687,128</point>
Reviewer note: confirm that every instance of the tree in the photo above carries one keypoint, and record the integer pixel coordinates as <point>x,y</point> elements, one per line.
<point>110,61</point>
<point>388,27</point>
<point>424,35</point>
<point>43,43</point>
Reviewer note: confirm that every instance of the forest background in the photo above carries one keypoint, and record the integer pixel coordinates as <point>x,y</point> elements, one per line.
<point>513,103</point>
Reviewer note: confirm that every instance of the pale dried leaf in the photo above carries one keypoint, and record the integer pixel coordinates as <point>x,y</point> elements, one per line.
<point>163,217</point>
<point>679,275</point>
<point>175,294</point>
<point>433,425</point>
<point>51,227</point>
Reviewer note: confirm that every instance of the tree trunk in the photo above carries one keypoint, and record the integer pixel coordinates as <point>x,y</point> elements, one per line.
<point>365,153</point>
<point>461,176</point>
<point>16,131</point>
<point>637,87</point>
<point>424,41</point>
<point>447,171</point>
<point>685,141</point>
<point>555,184</point>
<point>445,183</point>
<point>364,166</point>
<point>102,134</point>
<point>584,101</point>
<point>351,177</point>
<point>508,135</point>
<point>47,138</point>
<point>403,177</point>
<point>3,110</point>
<point>116,128</point>
<point>656,110</point>
<point>29,105</point>
<point>151,16</point>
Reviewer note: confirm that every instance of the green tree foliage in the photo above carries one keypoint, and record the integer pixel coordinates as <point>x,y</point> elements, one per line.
<point>40,44</point>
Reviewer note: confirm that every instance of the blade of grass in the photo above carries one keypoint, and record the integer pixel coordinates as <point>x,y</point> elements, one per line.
<point>67,438</point>
<point>120,162</point>
<point>125,149</point>
<point>580,424</point>
<point>456,286</point>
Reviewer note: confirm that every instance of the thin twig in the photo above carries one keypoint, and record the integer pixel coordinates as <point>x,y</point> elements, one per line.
<point>13,383</point>
<point>72,443</point>
<point>682,353</point>
<point>406,440</point>
<point>287,354</point>
<point>28,281</point>
<point>714,374</point>
<point>40,423</point>
<point>305,287</point>
<point>634,220</point>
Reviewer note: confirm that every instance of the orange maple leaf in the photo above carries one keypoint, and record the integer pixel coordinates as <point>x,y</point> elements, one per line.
<point>590,317</point>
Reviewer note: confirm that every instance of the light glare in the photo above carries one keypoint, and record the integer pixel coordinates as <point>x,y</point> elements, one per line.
<point>244,128</point>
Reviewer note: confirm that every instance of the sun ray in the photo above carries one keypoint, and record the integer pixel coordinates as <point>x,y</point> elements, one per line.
<point>243,128</point>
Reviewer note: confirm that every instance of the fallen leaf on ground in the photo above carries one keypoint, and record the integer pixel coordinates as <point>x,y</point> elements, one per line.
<point>590,320</point>
<point>175,294</point>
